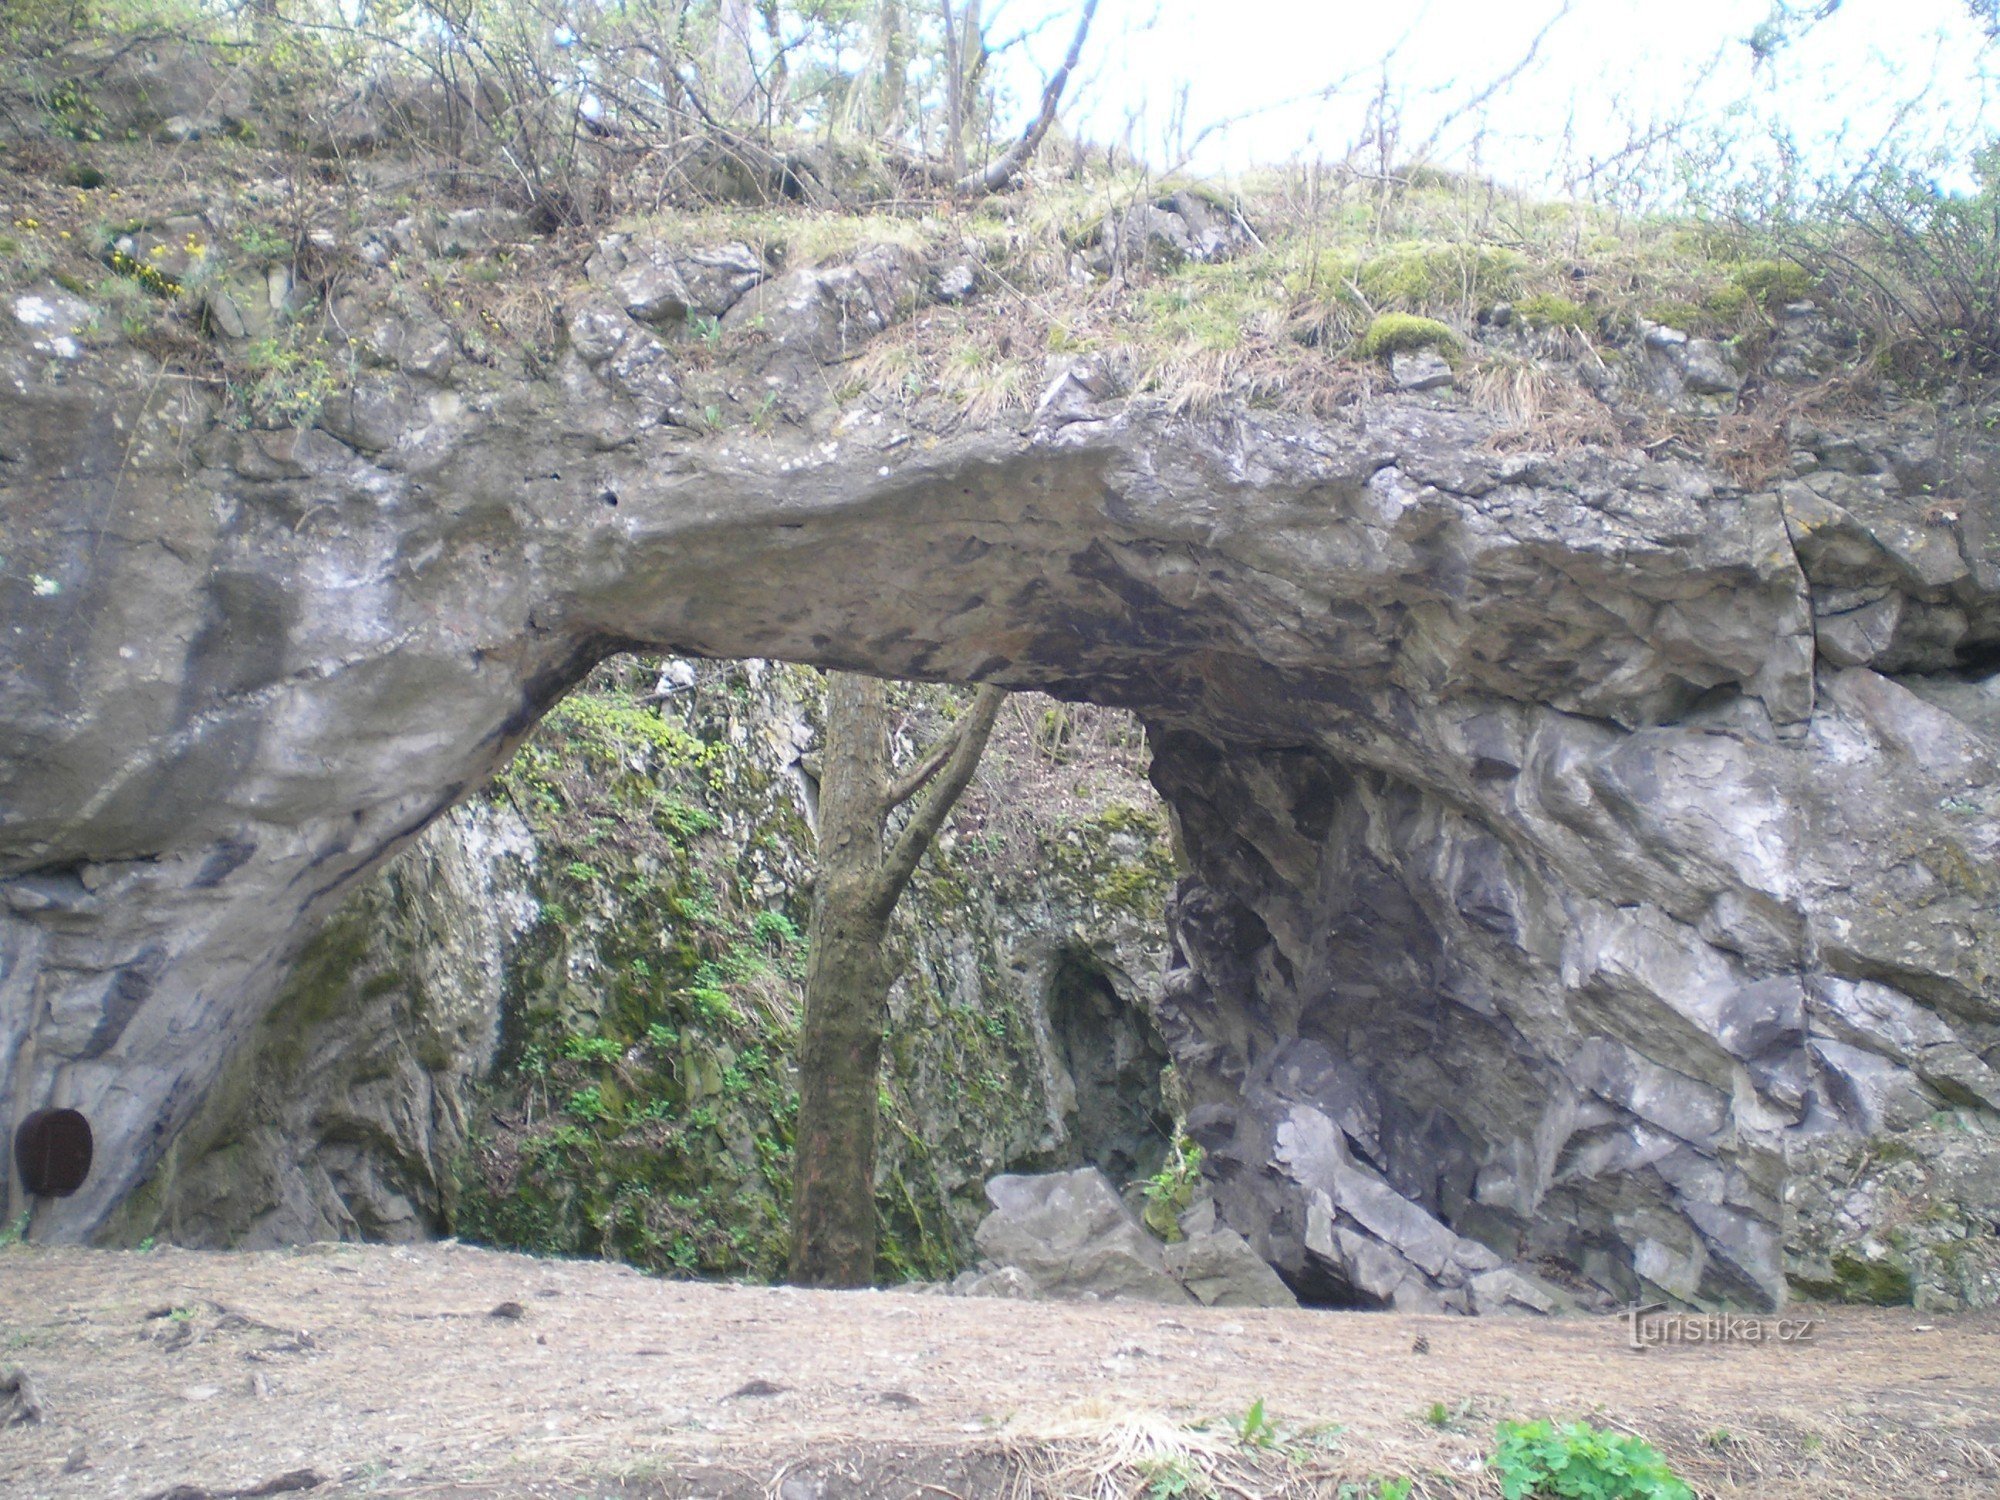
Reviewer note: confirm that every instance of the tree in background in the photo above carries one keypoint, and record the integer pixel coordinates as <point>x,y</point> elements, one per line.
<point>549,97</point>
<point>863,870</point>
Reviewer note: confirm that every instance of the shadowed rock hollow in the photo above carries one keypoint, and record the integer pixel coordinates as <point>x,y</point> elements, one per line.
<point>1580,840</point>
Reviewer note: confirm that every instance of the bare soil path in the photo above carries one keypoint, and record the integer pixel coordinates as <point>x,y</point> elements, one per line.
<point>369,1370</point>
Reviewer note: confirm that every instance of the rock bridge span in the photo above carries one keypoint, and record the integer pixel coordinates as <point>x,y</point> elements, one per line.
<point>1575,838</point>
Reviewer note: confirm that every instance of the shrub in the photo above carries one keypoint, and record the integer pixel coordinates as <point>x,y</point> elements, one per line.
<point>1901,254</point>
<point>286,380</point>
<point>775,929</point>
<point>1170,1190</point>
<point>1399,333</point>
<point>1580,1462</point>
<point>592,1049</point>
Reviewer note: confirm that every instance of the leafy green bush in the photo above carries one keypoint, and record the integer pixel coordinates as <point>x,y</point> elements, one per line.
<point>284,381</point>
<point>1580,1462</point>
<point>592,1049</point>
<point>1902,254</point>
<point>1171,1189</point>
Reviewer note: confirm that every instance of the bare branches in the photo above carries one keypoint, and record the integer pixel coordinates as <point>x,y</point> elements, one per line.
<point>994,175</point>
<point>967,744</point>
<point>1498,84</point>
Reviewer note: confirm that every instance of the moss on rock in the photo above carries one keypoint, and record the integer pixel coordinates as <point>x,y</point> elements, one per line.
<point>1400,333</point>
<point>1546,310</point>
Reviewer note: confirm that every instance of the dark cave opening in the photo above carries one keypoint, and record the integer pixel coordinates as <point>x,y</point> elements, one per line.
<point>1119,1121</point>
<point>1318,1285</point>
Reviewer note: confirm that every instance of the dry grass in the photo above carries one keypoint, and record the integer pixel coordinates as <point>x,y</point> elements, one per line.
<point>1542,405</point>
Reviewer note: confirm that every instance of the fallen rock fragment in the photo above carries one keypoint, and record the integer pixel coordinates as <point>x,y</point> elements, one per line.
<point>1072,1236</point>
<point>1419,370</point>
<point>1219,1269</point>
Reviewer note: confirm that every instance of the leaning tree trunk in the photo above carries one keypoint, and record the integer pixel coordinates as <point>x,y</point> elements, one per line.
<point>861,877</point>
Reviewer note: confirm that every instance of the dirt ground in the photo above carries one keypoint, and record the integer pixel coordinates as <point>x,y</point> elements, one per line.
<point>370,1370</point>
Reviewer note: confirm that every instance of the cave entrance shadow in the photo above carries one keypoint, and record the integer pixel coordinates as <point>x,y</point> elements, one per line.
<point>1116,1061</point>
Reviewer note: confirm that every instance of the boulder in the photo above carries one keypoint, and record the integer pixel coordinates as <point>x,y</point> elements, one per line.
<point>1419,370</point>
<point>1219,1269</point>
<point>1072,1236</point>
<point>1708,370</point>
<point>659,281</point>
<point>1170,231</point>
<point>1008,1282</point>
<point>827,312</point>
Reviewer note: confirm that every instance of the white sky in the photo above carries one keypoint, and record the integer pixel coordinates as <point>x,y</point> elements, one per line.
<point>1604,67</point>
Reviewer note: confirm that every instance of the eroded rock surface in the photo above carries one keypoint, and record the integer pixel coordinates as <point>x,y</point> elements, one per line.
<point>1576,835</point>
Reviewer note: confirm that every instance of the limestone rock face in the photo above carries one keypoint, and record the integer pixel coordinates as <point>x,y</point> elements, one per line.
<point>1905,1218</point>
<point>342,1115</point>
<point>1575,837</point>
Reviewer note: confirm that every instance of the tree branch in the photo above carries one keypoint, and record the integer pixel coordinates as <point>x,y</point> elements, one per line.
<point>933,761</point>
<point>967,745</point>
<point>993,176</point>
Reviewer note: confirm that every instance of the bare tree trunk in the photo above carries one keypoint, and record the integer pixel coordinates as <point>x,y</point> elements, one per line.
<point>861,877</point>
<point>847,992</point>
<point>734,79</point>
<point>993,176</point>
<point>954,87</point>
<point>893,48</point>
<point>877,94</point>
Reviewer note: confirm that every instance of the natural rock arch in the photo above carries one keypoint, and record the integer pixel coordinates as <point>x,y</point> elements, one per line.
<point>1554,882</point>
